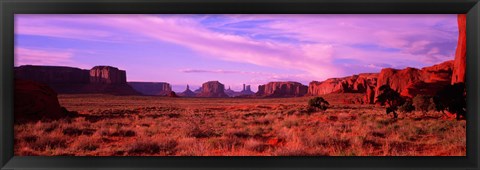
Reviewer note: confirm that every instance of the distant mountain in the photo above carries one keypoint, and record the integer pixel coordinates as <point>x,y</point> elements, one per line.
<point>152,88</point>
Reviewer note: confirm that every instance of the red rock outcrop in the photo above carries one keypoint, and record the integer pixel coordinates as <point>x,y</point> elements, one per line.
<point>152,88</point>
<point>69,80</point>
<point>187,92</point>
<point>411,81</point>
<point>35,101</point>
<point>350,84</point>
<point>369,97</point>
<point>282,89</point>
<point>212,89</point>
<point>107,75</point>
<point>461,53</point>
<point>52,74</point>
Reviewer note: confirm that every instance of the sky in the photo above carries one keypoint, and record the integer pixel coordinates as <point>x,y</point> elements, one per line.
<point>235,49</point>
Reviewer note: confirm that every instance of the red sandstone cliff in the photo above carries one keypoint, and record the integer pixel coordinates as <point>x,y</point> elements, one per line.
<point>52,74</point>
<point>212,89</point>
<point>107,75</point>
<point>410,82</point>
<point>69,80</point>
<point>351,84</point>
<point>461,53</point>
<point>282,89</point>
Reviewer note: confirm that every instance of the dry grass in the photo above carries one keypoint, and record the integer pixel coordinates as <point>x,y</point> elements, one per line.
<point>157,126</point>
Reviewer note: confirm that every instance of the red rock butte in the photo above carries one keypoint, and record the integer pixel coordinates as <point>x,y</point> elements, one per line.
<point>282,89</point>
<point>70,80</point>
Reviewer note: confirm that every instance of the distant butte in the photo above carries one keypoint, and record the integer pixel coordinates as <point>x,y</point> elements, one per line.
<point>282,89</point>
<point>213,89</point>
<point>70,80</point>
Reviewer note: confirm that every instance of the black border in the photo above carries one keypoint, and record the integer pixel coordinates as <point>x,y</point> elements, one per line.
<point>10,7</point>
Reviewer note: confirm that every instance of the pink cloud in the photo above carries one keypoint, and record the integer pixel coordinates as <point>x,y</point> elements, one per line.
<point>77,27</point>
<point>42,57</point>
<point>319,39</point>
<point>230,47</point>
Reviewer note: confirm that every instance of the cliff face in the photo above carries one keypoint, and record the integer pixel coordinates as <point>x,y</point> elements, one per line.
<point>351,84</point>
<point>460,63</point>
<point>282,89</point>
<point>212,89</point>
<point>410,82</point>
<point>52,74</point>
<point>100,79</point>
<point>107,75</point>
<point>152,88</point>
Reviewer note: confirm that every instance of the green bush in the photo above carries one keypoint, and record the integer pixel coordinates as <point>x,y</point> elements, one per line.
<point>318,103</point>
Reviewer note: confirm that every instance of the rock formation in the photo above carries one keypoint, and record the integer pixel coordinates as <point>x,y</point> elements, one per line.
<point>35,101</point>
<point>351,84</point>
<point>172,94</point>
<point>230,92</point>
<point>107,75</point>
<point>152,88</point>
<point>100,79</point>
<point>199,90</point>
<point>187,93</point>
<point>410,82</point>
<point>246,90</point>
<point>460,61</point>
<point>369,97</point>
<point>282,89</point>
<point>212,89</point>
<point>52,74</point>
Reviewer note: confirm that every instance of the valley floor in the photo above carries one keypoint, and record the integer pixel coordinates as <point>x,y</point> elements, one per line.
<point>160,126</point>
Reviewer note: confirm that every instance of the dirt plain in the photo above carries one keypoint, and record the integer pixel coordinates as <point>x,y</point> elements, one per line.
<point>109,125</point>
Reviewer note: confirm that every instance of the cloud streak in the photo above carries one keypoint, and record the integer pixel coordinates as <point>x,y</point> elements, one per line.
<point>318,46</point>
<point>25,56</point>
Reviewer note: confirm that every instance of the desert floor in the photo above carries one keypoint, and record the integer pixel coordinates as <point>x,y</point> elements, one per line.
<point>160,126</point>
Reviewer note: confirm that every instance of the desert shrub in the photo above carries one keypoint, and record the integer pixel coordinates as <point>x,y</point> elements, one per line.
<point>452,99</point>
<point>255,145</point>
<point>406,107</point>
<point>258,131</point>
<point>47,142</point>
<point>391,98</point>
<point>239,133</point>
<point>86,144</point>
<point>75,131</point>
<point>224,142</point>
<point>318,103</point>
<point>200,132</point>
<point>119,133</point>
<point>153,146</point>
<point>422,103</point>
<point>289,123</point>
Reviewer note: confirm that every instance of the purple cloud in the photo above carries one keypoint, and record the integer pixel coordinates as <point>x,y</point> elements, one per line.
<point>309,44</point>
<point>24,56</point>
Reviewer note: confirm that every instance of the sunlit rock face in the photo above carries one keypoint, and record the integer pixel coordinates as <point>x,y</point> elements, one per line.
<point>212,89</point>
<point>282,89</point>
<point>410,82</point>
<point>461,53</point>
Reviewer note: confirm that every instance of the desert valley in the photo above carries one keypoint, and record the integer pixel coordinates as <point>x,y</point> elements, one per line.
<point>71,111</point>
<point>98,113</point>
